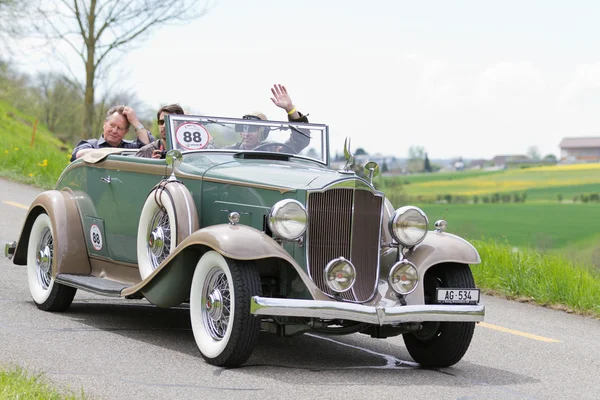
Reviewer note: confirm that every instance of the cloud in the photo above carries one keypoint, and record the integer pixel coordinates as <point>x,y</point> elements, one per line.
<point>511,85</point>
<point>584,87</point>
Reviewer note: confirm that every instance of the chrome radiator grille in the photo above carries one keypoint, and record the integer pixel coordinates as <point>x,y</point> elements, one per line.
<point>345,222</point>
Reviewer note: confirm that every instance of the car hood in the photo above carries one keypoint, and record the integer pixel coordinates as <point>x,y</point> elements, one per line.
<point>275,173</point>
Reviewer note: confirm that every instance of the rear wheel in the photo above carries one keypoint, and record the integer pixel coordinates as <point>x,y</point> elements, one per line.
<point>223,327</point>
<point>442,344</point>
<point>46,293</point>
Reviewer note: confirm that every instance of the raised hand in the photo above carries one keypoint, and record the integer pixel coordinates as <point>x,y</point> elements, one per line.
<point>281,98</point>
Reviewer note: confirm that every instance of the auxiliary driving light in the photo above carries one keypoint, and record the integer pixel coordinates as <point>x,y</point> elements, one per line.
<point>404,277</point>
<point>340,275</point>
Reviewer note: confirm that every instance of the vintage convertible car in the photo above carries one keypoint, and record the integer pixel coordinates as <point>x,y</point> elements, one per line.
<point>270,238</point>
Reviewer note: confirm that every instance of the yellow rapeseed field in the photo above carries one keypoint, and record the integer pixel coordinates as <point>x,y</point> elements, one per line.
<point>515,180</point>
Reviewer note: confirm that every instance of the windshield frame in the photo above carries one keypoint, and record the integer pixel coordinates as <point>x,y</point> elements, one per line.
<point>172,119</point>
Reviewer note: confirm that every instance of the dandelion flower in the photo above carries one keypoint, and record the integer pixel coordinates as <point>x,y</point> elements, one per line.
<point>16,148</point>
<point>30,174</point>
<point>5,151</point>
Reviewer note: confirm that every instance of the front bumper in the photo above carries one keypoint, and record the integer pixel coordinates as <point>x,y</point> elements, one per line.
<point>369,314</point>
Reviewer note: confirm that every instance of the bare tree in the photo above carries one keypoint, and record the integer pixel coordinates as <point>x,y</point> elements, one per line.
<point>95,29</point>
<point>12,14</point>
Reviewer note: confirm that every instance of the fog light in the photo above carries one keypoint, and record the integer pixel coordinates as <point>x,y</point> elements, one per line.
<point>340,275</point>
<point>404,277</point>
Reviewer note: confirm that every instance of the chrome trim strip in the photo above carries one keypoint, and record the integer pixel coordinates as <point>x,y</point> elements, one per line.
<point>369,314</point>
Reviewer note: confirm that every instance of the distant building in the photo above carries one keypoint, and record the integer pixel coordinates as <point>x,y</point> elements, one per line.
<point>504,160</point>
<point>580,149</point>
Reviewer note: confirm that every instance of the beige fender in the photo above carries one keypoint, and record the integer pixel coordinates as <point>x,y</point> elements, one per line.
<point>437,248</point>
<point>70,249</point>
<point>169,284</point>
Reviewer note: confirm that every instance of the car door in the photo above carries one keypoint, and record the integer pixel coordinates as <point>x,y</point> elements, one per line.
<point>121,185</point>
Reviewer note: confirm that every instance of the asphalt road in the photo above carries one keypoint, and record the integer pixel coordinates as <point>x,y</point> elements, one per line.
<point>130,349</point>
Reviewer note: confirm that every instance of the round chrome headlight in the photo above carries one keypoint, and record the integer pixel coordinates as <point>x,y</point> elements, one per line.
<point>404,277</point>
<point>408,225</point>
<point>340,275</point>
<point>287,219</point>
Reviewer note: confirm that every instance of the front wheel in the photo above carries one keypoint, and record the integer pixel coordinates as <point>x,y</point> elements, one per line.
<point>46,293</point>
<point>442,344</point>
<point>223,327</point>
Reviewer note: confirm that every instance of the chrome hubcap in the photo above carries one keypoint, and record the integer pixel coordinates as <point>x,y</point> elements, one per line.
<point>159,238</point>
<point>214,305</point>
<point>44,258</point>
<point>156,242</point>
<point>217,303</point>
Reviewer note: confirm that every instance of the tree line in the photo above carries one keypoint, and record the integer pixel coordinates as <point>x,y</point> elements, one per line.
<point>95,31</point>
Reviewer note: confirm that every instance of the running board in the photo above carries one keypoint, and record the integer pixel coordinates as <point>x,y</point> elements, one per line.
<point>89,283</point>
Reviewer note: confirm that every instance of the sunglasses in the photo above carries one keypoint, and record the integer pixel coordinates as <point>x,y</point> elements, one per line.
<point>247,128</point>
<point>161,122</point>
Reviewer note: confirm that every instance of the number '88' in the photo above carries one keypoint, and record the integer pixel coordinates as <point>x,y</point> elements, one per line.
<point>192,137</point>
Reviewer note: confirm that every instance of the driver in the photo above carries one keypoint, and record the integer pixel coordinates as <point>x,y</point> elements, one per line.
<point>252,136</point>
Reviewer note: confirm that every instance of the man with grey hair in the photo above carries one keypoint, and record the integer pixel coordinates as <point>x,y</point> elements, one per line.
<point>117,123</point>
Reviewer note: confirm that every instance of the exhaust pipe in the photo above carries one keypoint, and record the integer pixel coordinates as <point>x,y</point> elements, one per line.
<point>9,249</point>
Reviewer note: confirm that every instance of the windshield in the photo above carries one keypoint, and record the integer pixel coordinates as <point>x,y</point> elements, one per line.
<point>196,133</point>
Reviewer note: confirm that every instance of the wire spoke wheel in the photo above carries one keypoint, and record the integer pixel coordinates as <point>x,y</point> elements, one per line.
<point>159,238</point>
<point>45,253</point>
<point>217,308</point>
<point>223,327</point>
<point>46,293</point>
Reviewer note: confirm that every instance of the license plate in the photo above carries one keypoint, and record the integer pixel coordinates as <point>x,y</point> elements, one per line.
<point>458,296</point>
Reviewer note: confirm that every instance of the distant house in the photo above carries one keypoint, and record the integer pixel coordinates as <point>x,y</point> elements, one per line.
<point>580,149</point>
<point>505,160</point>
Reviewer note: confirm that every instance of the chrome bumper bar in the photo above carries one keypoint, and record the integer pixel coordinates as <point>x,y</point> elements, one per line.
<point>361,313</point>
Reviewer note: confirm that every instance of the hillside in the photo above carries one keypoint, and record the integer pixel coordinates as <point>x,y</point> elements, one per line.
<point>40,164</point>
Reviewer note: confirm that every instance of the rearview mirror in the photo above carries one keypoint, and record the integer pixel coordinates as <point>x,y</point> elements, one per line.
<point>174,159</point>
<point>372,168</point>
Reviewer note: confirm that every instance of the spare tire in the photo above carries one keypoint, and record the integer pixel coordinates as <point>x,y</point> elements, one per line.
<point>168,216</point>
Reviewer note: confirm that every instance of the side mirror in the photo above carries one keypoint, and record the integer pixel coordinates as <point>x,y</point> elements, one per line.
<point>348,156</point>
<point>372,168</point>
<point>174,159</point>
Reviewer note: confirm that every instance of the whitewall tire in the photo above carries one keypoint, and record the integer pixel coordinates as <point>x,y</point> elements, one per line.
<point>156,232</point>
<point>46,293</point>
<point>223,327</point>
<point>161,229</point>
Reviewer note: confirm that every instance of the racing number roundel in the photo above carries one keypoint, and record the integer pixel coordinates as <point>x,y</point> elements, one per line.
<point>192,136</point>
<point>96,237</point>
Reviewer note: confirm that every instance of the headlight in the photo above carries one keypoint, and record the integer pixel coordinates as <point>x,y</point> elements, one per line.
<point>287,219</point>
<point>340,275</point>
<point>404,277</point>
<point>408,225</point>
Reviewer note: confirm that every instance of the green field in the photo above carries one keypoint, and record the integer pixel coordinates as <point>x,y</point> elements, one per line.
<point>540,184</point>
<point>544,226</point>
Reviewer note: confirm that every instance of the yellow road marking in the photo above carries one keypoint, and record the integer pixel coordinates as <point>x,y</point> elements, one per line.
<point>18,205</point>
<point>518,333</point>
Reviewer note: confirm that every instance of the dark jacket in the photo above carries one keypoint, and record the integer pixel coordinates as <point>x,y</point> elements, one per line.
<point>101,143</point>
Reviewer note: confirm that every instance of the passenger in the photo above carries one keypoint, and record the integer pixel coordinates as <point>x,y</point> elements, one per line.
<point>158,148</point>
<point>116,125</point>
<point>252,136</point>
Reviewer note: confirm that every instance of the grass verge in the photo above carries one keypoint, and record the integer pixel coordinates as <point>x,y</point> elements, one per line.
<point>546,279</point>
<point>15,383</point>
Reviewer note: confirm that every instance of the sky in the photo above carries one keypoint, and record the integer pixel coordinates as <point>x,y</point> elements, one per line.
<point>470,79</point>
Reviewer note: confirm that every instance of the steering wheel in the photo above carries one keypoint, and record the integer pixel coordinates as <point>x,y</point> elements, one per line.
<point>276,147</point>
